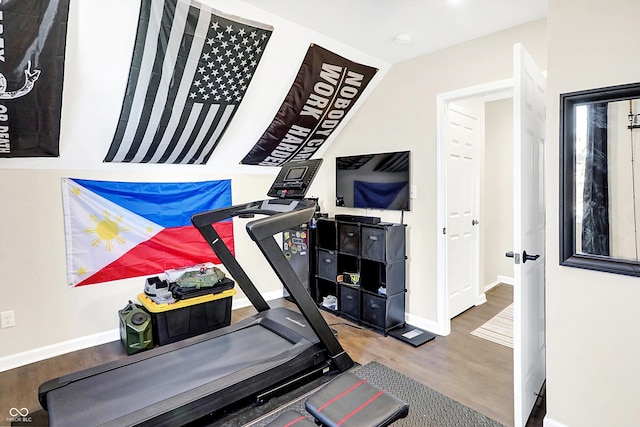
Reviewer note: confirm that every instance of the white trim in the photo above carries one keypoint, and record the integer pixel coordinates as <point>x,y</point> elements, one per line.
<point>46,352</point>
<point>506,280</point>
<point>37,354</point>
<point>481,299</point>
<point>502,280</point>
<point>422,323</point>
<point>244,302</point>
<point>549,422</point>
<point>495,90</point>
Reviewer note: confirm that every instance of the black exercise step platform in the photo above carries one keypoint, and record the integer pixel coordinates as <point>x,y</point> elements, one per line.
<point>350,401</point>
<point>291,418</point>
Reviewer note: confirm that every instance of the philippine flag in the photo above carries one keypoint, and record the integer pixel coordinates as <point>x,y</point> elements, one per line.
<point>116,230</point>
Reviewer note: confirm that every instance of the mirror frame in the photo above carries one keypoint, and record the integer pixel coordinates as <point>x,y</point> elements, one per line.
<point>568,255</point>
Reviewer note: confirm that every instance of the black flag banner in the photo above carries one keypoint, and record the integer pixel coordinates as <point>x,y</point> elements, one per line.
<point>325,89</point>
<point>33,36</point>
<point>190,69</point>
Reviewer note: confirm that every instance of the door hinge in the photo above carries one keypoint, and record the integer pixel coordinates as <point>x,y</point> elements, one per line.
<point>444,230</point>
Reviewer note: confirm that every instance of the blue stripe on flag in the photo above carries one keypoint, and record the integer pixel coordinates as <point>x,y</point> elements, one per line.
<point>167,204</point>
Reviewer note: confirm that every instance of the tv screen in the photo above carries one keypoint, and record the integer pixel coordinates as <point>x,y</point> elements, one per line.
<point>373,181</point>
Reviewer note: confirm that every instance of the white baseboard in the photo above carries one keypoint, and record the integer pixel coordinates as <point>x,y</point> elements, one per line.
<point>501,280</point>
<point>31,356</point>
<point>548,422</point>
<point>422,323</point>
<point>506,280</point>
<point>46,352</point>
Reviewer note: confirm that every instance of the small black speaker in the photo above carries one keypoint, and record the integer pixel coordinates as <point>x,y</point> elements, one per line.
<point>358,218</point>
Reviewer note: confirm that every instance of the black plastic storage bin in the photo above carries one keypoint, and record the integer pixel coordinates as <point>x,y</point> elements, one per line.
<point>188,317</point>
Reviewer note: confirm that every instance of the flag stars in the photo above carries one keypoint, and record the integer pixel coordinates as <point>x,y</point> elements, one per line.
<point>227,63</point>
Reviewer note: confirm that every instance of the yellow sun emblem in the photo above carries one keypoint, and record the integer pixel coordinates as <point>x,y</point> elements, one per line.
<point>107,230</point>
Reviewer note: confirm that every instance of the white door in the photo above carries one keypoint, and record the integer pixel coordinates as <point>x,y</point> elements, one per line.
<point>461,209</point>
<point>528,291</point>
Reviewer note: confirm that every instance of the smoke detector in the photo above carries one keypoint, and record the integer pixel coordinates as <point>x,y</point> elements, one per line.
<point>402,38</point>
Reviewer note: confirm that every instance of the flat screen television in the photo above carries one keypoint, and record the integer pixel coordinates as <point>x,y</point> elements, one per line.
<point>374,181</point>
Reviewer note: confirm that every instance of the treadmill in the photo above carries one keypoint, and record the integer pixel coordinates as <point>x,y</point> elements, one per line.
<point>187,380</point>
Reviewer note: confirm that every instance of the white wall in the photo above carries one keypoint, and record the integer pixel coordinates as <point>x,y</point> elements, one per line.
<point>401,114</point>
<point>497,191</point>
<point>100,40</point>
<point>593,344</point>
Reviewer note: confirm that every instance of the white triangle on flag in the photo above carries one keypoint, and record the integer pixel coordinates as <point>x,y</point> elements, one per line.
<point>98,231</point>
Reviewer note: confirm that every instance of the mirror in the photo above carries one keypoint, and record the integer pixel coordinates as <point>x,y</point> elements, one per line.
<point>600,179</point>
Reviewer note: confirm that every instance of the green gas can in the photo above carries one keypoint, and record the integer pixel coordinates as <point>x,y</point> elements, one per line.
<point>135,328</point>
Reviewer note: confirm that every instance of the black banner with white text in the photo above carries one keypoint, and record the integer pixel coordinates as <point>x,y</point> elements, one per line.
<point>32,47</point>
<point>325,89</point>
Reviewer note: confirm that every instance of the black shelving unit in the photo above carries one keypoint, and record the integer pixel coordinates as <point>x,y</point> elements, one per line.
<point>374,257</point>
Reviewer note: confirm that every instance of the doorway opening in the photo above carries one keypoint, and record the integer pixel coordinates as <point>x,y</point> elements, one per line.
<point>485,101</point>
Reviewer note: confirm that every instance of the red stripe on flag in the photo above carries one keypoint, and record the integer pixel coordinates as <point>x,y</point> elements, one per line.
<point>171,248</point>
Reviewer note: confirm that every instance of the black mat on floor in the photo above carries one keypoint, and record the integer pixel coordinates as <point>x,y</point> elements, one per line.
<point>412,335</point>
<point>427,407</point>
<point>245,411</point>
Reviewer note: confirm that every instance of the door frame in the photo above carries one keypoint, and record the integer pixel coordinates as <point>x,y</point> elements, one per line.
<point>494,90</point>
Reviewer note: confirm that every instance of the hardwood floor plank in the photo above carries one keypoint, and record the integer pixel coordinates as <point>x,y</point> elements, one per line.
<point>471,370</point>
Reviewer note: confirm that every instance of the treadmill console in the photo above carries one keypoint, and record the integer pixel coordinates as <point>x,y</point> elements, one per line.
<point>294,179</point>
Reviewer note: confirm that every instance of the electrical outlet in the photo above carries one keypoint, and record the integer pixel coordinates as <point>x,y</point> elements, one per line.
<point>7,319</point>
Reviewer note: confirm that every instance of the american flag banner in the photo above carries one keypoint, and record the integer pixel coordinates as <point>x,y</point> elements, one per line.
<point>190,70</point>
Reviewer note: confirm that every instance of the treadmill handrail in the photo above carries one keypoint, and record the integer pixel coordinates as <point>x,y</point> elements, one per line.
<point>281,214</point>
<point>299,212</point>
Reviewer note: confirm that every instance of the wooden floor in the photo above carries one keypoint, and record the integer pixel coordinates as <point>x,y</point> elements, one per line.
<point>471,370</point>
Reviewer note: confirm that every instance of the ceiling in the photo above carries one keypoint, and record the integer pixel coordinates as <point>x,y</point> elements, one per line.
<point>371,25</point>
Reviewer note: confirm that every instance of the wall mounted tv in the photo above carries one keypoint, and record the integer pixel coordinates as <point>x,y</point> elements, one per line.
<point>374,181</point>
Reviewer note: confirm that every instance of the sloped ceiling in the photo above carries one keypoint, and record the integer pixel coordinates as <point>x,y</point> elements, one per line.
<point>372,25</point>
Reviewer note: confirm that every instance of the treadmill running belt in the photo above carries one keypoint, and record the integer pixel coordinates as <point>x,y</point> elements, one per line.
<point>112,394</point>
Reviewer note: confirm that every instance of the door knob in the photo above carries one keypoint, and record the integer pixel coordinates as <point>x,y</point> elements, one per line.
<point>475,222</point>
<point>526,257</point>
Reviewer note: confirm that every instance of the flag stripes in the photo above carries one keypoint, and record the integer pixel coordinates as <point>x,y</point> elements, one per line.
<point>189,72</point>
